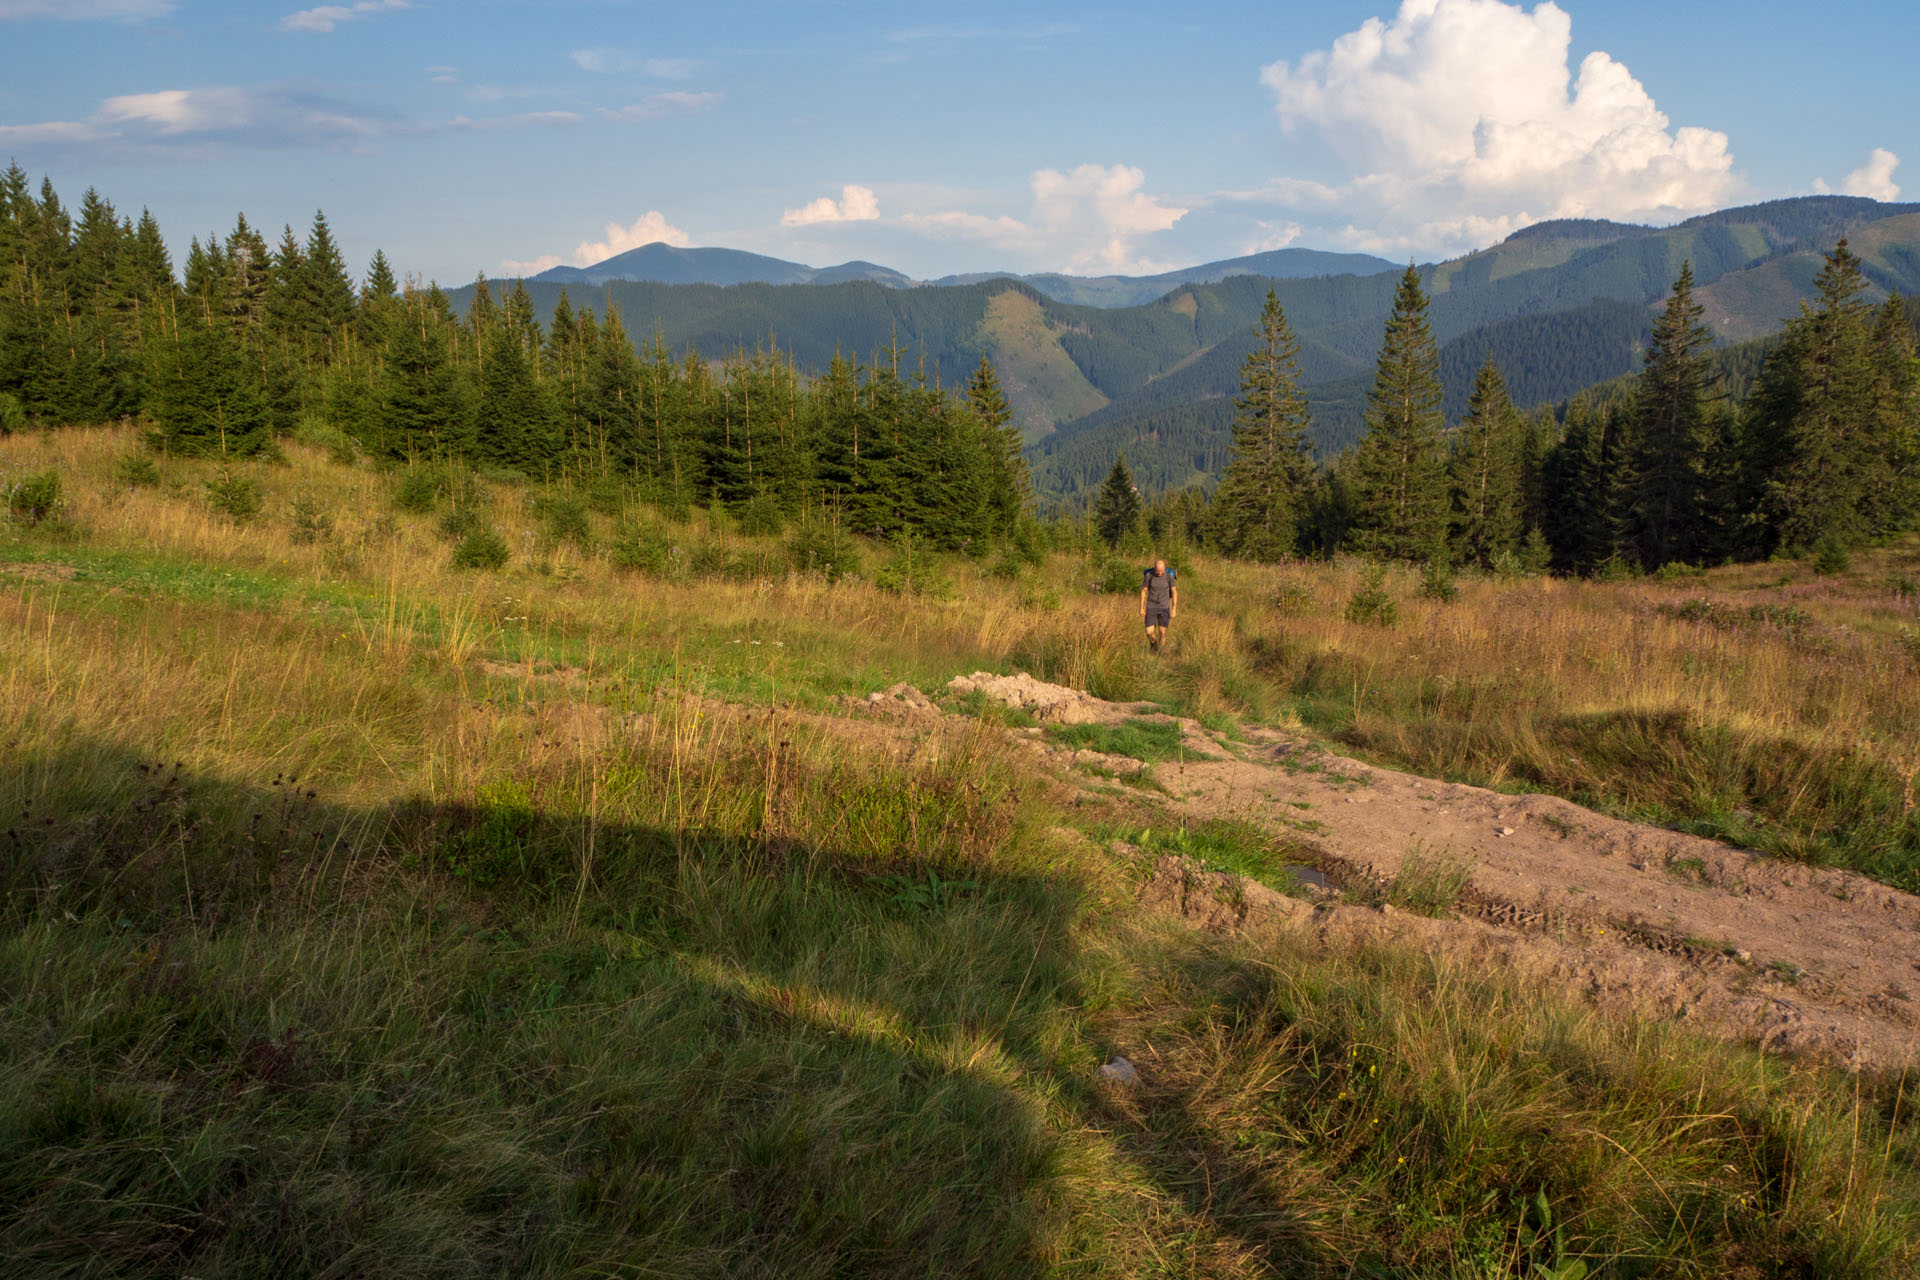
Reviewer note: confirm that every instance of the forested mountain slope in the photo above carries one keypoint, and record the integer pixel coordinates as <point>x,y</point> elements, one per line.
<point>1559,306</point>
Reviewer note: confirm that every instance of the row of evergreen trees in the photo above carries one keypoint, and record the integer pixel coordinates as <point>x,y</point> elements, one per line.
<point>252,342</point>
<point>1824,449</point>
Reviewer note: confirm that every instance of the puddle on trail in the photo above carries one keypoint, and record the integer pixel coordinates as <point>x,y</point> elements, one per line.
<point>1312,879</point>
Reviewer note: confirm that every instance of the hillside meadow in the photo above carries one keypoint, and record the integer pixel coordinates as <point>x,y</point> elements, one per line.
<point>365,914</point>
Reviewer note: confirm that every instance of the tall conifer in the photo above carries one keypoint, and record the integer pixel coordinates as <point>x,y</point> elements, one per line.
<point>1398,474</point>
<point>1258,507</point>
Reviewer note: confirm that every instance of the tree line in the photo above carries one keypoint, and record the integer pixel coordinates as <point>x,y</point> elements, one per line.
<point>251,342</point>
<point>1822,449</point>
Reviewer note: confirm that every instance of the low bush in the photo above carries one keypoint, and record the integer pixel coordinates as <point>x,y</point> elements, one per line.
<point>234,496</point>
<point>311,522</point>
<point>36,499</point>
<point>1370,604</point>
<point>481,547</point>
<point>418,490</point>
<point>825,549</point>
<point>137,470</point>
<point>564,517</point>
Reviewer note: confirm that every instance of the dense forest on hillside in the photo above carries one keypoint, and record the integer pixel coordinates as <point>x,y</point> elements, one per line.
<point>1674,452</point>
<point>254,342</point>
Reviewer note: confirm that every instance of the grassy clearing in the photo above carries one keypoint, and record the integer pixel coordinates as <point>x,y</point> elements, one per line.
<point>364,915</point>
<point>1140,738</point>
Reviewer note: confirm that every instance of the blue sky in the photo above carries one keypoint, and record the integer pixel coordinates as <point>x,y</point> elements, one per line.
<point>491,135</point>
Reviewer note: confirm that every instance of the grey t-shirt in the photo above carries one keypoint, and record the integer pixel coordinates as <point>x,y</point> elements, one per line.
<point>1159,589</point>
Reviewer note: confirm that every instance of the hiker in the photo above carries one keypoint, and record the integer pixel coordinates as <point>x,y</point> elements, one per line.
<point>1159,601</point>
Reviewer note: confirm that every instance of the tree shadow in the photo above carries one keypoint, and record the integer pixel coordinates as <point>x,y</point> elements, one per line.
<point>274,1031</point>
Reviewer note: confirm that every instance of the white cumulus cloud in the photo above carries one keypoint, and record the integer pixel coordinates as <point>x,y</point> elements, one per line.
<point>1873,179</point>
<point>650,227</point>
<point>856,204</point>
<point>85,10</point>
<point>1091,218</point>
<point>1466,119</point>
<point>326,17</point>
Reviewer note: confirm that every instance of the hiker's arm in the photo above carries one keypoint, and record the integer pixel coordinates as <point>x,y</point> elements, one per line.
<point>1143,602</point>
<point>1173,599</point>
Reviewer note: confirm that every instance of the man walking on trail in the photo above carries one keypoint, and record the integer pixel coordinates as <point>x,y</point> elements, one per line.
<point>1159,601</point>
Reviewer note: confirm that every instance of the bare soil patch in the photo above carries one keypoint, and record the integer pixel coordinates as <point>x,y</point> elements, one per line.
<point>1798,959</point>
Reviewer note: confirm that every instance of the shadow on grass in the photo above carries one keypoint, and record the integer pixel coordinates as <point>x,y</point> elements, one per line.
<point>252,1032</point>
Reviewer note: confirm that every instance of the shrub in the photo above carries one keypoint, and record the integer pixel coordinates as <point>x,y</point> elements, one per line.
<point>35,499</point>
<point>1370,604</point>
<point>458,522</point>
<point>761,517</point>
<point>13,414</point>
<point>648,549</point>
<point>907,574</point>
<point>235,496</point>
<point>137,471</point>
<point>481,548</point>
<point>1675,571</point>
<point>1831,557</point>
<point>1118,577</point>
<point>418,491</point>
<point>711,560</point>
<point>311,522</point>
<point>1436,580</point>
<point>1535,557</point>
<point>825,549</point>
<point>1293,596</point>
<point>314,429</point>
<point>1507,564</point>
<point>565,518</point>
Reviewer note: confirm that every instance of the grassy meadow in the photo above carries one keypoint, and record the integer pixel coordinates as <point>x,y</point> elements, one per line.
<point>368,915</point>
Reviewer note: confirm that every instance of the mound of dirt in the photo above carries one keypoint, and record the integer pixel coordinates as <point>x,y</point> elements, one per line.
<point>1049,703</point>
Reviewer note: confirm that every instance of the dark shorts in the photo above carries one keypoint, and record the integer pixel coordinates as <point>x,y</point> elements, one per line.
<point>1159,617</point>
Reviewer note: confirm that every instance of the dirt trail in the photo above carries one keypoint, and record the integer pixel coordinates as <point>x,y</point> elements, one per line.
<point>1799,959</point>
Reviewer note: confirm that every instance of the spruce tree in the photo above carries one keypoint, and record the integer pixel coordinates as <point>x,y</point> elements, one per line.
<point>1810,430</point>
<point>1116,511</point>
<point>1484,468</point>
<point>1893,494</point>
<point>1671,433</point>
<point>1258,507</point>
<point>1010,489</point>
<point>1398,478</point>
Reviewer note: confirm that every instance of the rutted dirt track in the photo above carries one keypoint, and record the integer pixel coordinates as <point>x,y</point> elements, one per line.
<point>1799,959</point>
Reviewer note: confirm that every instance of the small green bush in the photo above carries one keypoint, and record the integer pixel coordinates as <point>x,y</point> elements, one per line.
<point>458,522</point>
<point>1675,571</point>
<point>1831,557</point>
<point>481,548</point>
<point>35,499</point>
<point>1371,605</point>
<point>648,549</point>
<point>236,497</point>
<point>825,549</point>
<point>1436,580</point>
<point>1535,557</point>
<point>13,414</point>
<point>1118,577</point>
<point>311,522</point>
<point>418,490</point>
<point>761,517</point>
<point>565,518</point>
<point>137,471</point>
<point>907,574</point>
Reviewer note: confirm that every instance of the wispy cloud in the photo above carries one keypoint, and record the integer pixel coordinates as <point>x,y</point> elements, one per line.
<point>605,60</point>
<point>85,10</point>
<point>1092,218</point>
<point>672,103</point>
<point>254,115</point>
<point>270,116</point>
<point>521,121</point>
<point>326,17</point>
<point>955,34</point>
